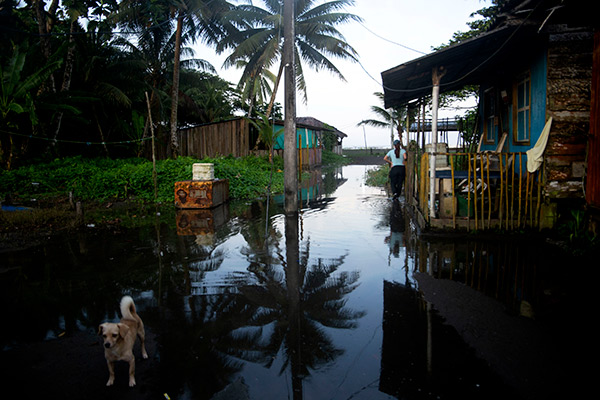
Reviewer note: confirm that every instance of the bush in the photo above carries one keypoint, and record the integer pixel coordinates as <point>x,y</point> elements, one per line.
<point>378,176</point>
<point>104,179</point>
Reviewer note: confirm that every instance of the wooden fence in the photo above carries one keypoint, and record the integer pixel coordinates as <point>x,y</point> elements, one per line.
<point>238,138</point>
<point>477,191</point>
<point>212,140</point>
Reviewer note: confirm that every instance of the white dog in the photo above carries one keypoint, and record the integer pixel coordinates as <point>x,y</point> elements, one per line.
<point>119,339</point>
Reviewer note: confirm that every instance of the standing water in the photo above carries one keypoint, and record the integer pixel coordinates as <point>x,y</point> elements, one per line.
<point>343,302</point>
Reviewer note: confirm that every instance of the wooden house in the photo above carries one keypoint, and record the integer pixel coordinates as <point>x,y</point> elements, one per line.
<point>239,138</point>
<point>537,73</point>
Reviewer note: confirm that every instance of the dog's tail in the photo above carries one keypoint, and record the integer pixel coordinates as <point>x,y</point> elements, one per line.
<point>128,308</point>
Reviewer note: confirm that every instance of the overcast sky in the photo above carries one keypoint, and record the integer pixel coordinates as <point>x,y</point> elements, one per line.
<point>392,32</point>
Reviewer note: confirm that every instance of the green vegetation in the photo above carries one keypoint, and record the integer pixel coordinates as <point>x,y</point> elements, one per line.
<point>329,158</point>
<point>580,238</point>
<point>378,176</point>
<point>100,78</point>
<point>106,180</point>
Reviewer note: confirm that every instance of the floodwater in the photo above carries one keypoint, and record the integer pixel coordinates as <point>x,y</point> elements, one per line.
<point>344,302</point>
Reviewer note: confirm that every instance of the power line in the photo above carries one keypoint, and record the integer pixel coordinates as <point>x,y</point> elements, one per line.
<point>459,78</point>
<point>391,41</point>
<point>89,143</point>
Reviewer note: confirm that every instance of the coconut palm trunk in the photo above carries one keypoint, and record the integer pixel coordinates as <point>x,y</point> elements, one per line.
<point>175,88</point>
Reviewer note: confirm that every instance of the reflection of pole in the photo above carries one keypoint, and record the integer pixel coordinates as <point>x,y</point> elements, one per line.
<point>293,282</point>
<point>159,254</point>
<point>429,360</point>
<point>429,356</point>
<point>289,148</point>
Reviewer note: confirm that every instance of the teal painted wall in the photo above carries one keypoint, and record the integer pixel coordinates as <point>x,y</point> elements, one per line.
<point>306,138</point>
<point>538,69</point>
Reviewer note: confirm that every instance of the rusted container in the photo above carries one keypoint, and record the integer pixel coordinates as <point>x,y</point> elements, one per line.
<point>201,194</point>
<point>201,222</point>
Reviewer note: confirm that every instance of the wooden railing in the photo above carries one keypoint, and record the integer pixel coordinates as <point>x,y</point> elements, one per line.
<point>478,190</point>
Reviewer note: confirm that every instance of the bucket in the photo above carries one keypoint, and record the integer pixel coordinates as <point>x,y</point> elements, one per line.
<point>203,172</point>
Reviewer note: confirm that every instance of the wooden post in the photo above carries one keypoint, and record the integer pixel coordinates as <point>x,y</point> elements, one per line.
<point>436,76</point>
<point>290,161</point>
<point>154,179</point>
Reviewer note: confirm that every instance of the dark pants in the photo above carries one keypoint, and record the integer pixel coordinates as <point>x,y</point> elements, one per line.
<point>397,175</point>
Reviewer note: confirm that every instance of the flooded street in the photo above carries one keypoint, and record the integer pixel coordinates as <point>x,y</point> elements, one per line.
<point>343,302</point>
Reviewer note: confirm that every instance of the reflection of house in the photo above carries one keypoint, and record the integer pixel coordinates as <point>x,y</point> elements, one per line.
<point>534,65</point>
<point>238,137</point>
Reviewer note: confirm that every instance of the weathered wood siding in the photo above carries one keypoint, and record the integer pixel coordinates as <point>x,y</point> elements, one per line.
<point>233,137</point>
<point>592,191</point>
<point>218,139</point>
<point>568,102</point>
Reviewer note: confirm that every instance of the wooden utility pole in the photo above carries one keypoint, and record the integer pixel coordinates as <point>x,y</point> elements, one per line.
<point>290,161</point>
<point>175,88</point>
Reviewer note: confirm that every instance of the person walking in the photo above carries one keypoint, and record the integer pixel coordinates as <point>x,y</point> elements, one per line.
<point>396,158</point>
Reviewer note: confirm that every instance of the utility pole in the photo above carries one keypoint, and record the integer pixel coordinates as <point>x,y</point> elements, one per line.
<point>290,161</point>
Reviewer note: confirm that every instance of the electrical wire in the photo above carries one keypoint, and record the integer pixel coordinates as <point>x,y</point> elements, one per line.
<point>77,141</point>
<point>391,41</point>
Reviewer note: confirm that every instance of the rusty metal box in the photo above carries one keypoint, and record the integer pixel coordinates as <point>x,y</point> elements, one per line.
<point>201,194</point>
<point>201,221</point>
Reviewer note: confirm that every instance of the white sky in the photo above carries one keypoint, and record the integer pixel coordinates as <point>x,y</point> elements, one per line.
<point>414,24</point>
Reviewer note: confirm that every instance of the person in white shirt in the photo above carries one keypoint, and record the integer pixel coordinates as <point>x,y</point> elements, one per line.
<point>396,158</point>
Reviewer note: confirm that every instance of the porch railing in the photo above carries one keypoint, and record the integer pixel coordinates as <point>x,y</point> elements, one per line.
<point>477,190</point>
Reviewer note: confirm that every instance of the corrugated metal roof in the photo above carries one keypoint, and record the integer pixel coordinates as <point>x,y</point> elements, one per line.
<point>470,62</point>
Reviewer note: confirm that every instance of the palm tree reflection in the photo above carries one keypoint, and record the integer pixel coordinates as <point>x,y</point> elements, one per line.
<point>292,302</point>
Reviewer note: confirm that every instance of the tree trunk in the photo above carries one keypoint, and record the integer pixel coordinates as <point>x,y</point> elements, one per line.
<point>66,83</point>
<point>290,161</point>
<point>275,87</point>
<point>175,90</point>
<point>43,25</point>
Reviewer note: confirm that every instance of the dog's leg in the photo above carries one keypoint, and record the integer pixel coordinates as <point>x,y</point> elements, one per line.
<point>132,372</point>
<point>111,373</point>
<point>142,336</point>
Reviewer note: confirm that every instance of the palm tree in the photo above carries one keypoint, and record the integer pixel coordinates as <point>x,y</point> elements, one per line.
<point>203,18</point>
<point>297,296</point>
<point>391,118</point>
<point>194,19</point>
<point>259,42</point>
<point>255,87</point>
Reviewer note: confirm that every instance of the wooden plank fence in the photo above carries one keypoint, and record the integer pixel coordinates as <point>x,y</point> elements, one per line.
<point>477,191</point>
<point>212,140</point>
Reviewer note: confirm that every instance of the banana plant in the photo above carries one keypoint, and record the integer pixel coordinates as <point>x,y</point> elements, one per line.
<point>266,132</point>
<point>17,97</point>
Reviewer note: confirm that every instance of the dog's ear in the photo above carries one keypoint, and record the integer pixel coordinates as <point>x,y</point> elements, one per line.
<point>101,328</point>
<point>123,329</point>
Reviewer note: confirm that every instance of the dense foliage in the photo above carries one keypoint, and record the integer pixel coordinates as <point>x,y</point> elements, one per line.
<point>102,179</point>
<point>88,77</point>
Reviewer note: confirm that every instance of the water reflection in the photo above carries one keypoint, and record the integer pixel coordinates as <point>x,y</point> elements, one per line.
<point>342,301</point>
<point>288,301</point>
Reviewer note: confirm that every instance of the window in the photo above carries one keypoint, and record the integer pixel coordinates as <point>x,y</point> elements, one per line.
<point>522,110</point>
<point>489,116</point>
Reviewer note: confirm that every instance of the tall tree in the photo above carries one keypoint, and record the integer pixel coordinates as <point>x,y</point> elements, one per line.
<point>204,18</point>
<point>193,20</point>
<point>258,44</point>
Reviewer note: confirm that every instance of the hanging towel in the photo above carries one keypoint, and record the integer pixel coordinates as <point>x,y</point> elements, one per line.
<point>535,155</point>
